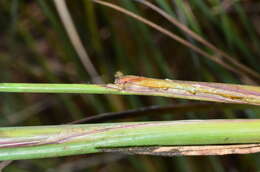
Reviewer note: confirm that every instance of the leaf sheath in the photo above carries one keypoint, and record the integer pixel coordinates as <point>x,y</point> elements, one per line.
<point>54,141</point>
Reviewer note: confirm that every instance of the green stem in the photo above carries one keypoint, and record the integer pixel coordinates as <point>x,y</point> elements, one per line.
<point>56,88</point>
<point>53,141</point>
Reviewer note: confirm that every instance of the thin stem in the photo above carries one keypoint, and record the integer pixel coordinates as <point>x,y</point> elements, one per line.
<point>175,110</point>
<point>75,40</point>
<point>200,39</point>
<point>135,85</point>
<point>56,88</point>
<point>180,40</point>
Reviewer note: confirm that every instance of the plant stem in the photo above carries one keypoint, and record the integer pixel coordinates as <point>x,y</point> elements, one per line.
<point>53,141</point>
<point>56,88</point>
<point>135,85</point>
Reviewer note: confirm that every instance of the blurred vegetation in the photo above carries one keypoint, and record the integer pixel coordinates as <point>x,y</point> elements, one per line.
<point>35,48</point>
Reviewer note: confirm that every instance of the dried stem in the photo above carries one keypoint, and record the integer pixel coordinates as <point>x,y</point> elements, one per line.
<point>75,40</point>
<point>200,39</point>
<point>200,51</point>
<point>175,110</point>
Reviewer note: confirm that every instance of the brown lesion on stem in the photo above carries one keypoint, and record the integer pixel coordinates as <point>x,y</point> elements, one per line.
<point>218,92</point>
<point>188,150</point>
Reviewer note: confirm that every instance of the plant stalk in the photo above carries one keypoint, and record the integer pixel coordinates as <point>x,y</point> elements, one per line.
<point>136,85</point>
<point>54,141</point>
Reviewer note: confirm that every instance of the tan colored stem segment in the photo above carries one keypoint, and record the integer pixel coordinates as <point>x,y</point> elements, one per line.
<point>217,92</point>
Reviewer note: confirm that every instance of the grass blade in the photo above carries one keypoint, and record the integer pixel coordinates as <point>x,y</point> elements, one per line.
<point>75,40</point>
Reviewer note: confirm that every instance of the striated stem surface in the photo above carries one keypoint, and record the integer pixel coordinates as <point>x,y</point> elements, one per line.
<point>136,85</point>
<point>54,141</point>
